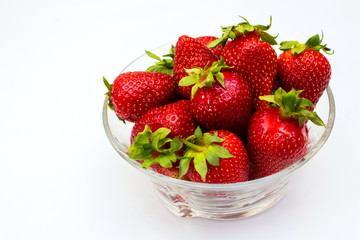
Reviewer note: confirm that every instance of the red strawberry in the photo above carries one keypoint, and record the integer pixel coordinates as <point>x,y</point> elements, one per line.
<point>277,136</point>
<point>175,116</point>
<point>133,93</point>
<point>166,65</point>
<point>215,157</point>
<point>190,53</point>
<point>302,66</point>
<point>220,100</point>
<point>252,57</point>
<point>208,39</point>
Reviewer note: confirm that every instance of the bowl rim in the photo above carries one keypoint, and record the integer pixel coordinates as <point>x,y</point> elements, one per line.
<point>214,186</point>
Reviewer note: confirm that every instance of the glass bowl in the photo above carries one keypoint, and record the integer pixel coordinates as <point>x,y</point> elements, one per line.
<point>217,201</point>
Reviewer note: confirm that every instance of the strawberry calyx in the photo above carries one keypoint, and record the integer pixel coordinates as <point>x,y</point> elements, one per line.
<point>155,147</point>
<point>202,149</point>
<point>108,93</point>
<point>243,29</point>
<point>293,106</point>
<point>313,43</point>
<point>165,65</point>
<point>204,77</point>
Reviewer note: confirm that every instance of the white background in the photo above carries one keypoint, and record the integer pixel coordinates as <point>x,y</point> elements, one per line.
<point>61,179</point>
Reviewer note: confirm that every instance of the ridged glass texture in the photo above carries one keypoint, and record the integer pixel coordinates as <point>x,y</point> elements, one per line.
<point>217,201</point>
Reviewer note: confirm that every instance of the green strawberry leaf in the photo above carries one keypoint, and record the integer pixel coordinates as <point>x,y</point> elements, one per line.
<point>306,103</point>
<point>210,138</point>
<point>220,78</point>
<point>212,157</point>
<point>312,116</point>
<point>187,81</point>
<point>223,39</point>
<point>161,132</point>
<point>263,27</point>
<point>209,80</point>
<point>244,28</point>
<point>148,162</point>
<point>194,90</point>
<point>232,35</point>
<point>141,148</point>
<point>288,101</point>
<point>175,145</point>
<point>301,120</point>
<point>221,151</point>
<point>198,133</point>
<point>184,165</point>
<point>268,98</point>
<point>278,96</point>
<point>268,38</point>
<point>313,41</point>
<point>107,84</point>
<point>298,49</point>
<point>287,45</point>
<point>200,165</point>
<point>150,54</point>
<point>165,160</point>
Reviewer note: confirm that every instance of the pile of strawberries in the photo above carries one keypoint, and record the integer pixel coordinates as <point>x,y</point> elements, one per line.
<point>223,110</point>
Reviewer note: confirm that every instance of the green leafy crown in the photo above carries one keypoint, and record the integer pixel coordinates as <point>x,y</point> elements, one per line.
<point>313,42</point>
<point>202,149</point>
<point>241,30</point>
<point>155,147</point>
<point>204,77</point>
<point>165,65</point>
<point>293,106</point>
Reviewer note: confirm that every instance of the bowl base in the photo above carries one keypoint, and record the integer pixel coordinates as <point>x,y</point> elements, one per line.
<point>180,207</point>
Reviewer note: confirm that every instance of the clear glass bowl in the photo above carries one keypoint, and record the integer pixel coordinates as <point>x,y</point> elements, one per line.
<point>217,201</point>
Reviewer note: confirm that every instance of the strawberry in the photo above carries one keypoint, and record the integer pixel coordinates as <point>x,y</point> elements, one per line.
<point>278,136</point>
<point>166,64</point>
<point>133,93</point>
<point>155,137</point>
<point>302,66</point>
<point>217,156</point>
<point>174,116</point>
<point>220,99</point>
<point>190,53</point>
<point>208,39</point>
<point>252,56</point>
